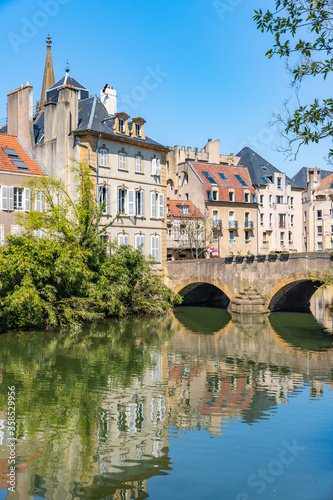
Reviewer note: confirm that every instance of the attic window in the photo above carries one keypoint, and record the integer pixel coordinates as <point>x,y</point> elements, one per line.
<point>239,178</point>
<point>121,125</point>
<point>263,167</point>
<point>263,180</point>
<point>270,179</point>
<point>224,177</point>
<point>14,157</point>
<point>209,177</point>
<point>184,209</point>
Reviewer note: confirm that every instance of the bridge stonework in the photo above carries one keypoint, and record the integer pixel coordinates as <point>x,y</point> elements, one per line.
<point>281,284</point>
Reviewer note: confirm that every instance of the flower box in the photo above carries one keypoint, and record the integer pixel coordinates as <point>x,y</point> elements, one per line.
<point>239,259</point>
<point>272,257</point>
<point>228,259</point>
<point>249,259</point>
<point>261,258</point>
<point>284,256</point>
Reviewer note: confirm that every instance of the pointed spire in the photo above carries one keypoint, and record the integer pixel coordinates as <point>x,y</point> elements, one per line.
<point>48,79</point>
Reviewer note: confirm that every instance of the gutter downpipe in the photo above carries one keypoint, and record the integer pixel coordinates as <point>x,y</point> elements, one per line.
<point>85,146</point>
<point>97,168</point>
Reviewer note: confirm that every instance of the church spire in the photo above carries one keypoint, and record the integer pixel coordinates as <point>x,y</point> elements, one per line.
<point>48,79</point>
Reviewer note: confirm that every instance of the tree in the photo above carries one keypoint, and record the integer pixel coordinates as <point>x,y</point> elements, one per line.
<point>303,33</point>
<point>75,217</point>
<point>194,233</point>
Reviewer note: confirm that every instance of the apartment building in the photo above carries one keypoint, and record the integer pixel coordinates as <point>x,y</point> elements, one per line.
<point>185,230</point>
<point>16,167</point>
<point>279,216</point>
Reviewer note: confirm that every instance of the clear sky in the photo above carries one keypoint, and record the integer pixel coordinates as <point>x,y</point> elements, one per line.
<point>211,77</point>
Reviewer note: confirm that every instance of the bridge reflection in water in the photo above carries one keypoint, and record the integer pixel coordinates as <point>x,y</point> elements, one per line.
<point>128,392</point>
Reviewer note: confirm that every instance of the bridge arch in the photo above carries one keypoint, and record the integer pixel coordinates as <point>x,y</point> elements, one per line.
<point>205,292</point>
<point>293,294</point>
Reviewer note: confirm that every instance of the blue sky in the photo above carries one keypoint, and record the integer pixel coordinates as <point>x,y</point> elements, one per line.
<point>212,79</point>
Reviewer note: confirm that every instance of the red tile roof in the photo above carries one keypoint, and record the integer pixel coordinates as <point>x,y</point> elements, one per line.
<point>175,205</point>
<point>224,184</point>
<point>326,182</point>
<point>6,165</point>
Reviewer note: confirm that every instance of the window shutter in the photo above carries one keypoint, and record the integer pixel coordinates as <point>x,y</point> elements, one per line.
<point>153,166</point>
<point>27,197</point>
<point>1,236</point>
<point>142,200</point>
<point>10,198</point>
<point>153,205</point>
<point>158,169</point>
<point>43,201</point>
<point>161,206</point>
<point>118,201</point>
<point>131,202</point>
<point>4,198</point>
<point>107,200</point>
<point>38,201</point>
<point>155,247</point>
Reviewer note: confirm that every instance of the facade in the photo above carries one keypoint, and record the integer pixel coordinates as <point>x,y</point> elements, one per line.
<point>279,198</point>
<point>185,230</point>
<point>129,167</point>
<point>225,196</point>
<point>317,202</point>
<point>16,167</point>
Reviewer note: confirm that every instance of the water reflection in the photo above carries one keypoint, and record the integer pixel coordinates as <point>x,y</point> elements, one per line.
<point>97,408</point>
<point>321,305</point>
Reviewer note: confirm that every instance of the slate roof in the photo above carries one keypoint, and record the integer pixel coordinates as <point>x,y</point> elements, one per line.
<point>300,177</point>
<point>214,170</point>
<point>6,165</point>
<point>253,162</point>
<point>174,209</point>
<point>67,80</point>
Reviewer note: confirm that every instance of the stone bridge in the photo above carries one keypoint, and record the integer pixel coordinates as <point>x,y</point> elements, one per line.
<point>252,285</point>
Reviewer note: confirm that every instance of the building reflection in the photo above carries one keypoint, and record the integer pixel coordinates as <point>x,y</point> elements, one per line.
<point>321,306</point>
<point>118,434</point>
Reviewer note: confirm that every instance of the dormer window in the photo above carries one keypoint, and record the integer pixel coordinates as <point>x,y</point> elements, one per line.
<point>279,182</point>
<point>231,195</point>
<point>121,125</point>
<point>138,129</point>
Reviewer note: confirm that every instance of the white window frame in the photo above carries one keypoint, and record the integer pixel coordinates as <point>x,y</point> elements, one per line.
<point>121,125</point>
<point>139,242</point>
<point>122,161</point>
<point>153,166</point>
<point>125,197</point>
<point>122,239</point>
<point>138,129</point>
<point>2,235</point>
<point>155,247</point>
<point>40,201</point>
<point>18,198</point>
<point>138,164</point>
<point>104,196</point>
<point>139,203</point>
<point>103,158</point>
<point>231,239</point>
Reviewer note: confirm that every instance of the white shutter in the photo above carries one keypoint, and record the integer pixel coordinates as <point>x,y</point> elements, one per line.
<point>27,199</point>
<point>4,197</point>
<point>161,206</point>
<point>139,242</point>
<point>122,239</point>
<point>158,169</point>
<point>38,201</point>
<point>138,164</point>
<point>131,202</point>
<point>118,200</point>
<point>155,251</point>
<point>153,205</point>
<point>10,198</point>
<point>1,236</point>
<point>43,201</point>
<point>153,166</point>
<point>107,199</point>
<point>142,200</point>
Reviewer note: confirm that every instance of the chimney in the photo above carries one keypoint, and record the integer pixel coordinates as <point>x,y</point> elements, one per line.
<point>20,115</point>
<point>212,148</point>
<point>313,177</point>
<point>109,99</point>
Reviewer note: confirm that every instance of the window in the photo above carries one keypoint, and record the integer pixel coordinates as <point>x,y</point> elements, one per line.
<point>261,219</point>
<point>264,239</point>
<point>282,220</point>
<point>319,246</point>
<point>104,198</point>
<point>270,220</point>
<point>139,242</point>
<point>103,157</point>
<point>215,195</point>
<point>209,177</point>
<point>185,209</point>
<point>157,205</point>
<point>288,201</point>
<point>332,230</point>
<point>138,164</point>
<point>279,182</point>
<point>261,200</point>
<point>292,221</point>
<point>231,237</point>
<point>169,232</point>
<point>215,216</point>
<point>231,196</point>
<point>155,247</point>
<point>246,197</point>
<point>122,161</point>
<point>105,241</point>
<point>122,239</point>
<point>209,195</point>
<point>282,239</point>
<point>155,166</point>
<point>215,237</point>
<point>139,203</point>
<point>121,125</point>
<point>17,230</point>
<point>263,180</point>
<point>14,157</point>
<point>290,238</point>
<point>331,213</point>
<point>292,202</point>
<point>319,215</point>
<point>270,200</point>
<point>40,202</point>
<point>304,216</point>
<point>319,230</point>
<point>239,178</point>
<point>122,201</point>
<point>247,237</point>
<point>138,129</point>
<point>224,177</point>
<point>263,167</point>
<point>186,179</point>
<point>167,165</point>
<point>186,196</point>
<point>279,200</point>
<point>18,198</point>
<point>2,236</point>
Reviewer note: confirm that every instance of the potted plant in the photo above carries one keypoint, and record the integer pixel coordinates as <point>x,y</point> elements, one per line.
<point>261,258</point>
<point>229,258</point>
<point>272,257</point>
<point>239,258</point>
<point>284,256</point>
<point>249,257</point>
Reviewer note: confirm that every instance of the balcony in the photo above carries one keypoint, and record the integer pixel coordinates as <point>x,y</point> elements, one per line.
<point>217,224</point>
<point>282,224</point>
<point>248,224</point>
<point>233,224</point>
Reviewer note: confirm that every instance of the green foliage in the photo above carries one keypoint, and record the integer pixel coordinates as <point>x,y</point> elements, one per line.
<point>47,283</point>
<point>303,33</point>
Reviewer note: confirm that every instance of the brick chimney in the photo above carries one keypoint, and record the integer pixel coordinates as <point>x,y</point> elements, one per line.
<point>109,99</point>
<point>20,115</point>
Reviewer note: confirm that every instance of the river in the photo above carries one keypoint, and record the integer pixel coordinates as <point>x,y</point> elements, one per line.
<point>193,406</point>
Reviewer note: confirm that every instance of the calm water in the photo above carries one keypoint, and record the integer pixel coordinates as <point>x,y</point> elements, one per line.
<point>194,406</point>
